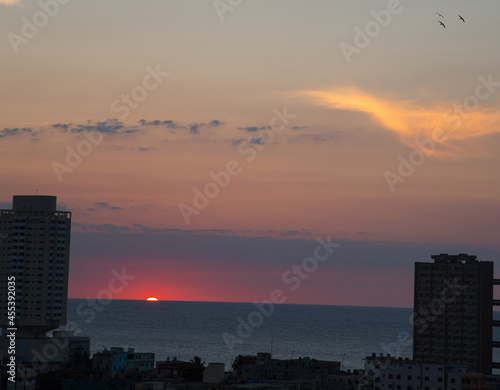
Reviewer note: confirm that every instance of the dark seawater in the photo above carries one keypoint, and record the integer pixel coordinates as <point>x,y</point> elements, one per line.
<point>185,329</point>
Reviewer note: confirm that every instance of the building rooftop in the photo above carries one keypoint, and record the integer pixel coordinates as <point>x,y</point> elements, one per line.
<point>460,258</point>
<point>34,203</point>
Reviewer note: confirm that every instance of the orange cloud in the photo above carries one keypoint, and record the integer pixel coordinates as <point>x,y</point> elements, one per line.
<point>457,120</point>
<point>9,2</point>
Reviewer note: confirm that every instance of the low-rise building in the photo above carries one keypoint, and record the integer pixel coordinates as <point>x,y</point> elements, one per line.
<point>117,361</point>
<point>169,369</point>
<point>139,362</point>
<point>62,347</point>
<point>388,372</point>
<point>263,368</point>
<point>110,363</point>
<point>214,373</point>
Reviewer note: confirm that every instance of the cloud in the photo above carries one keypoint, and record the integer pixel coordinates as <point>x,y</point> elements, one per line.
<point>143,149</point>
<point>194,128</point>
<point>105,228</point>
<point>104,205</point>
<point>6,132</point>
<point>111,126</point>
<point>444,121</point>
<point>290,233</point>
<point>6,205</point>
<point>114,126</point>
<point>258,141</point>
<point>215,123</point>
<point>63,126</point>
<point>62,207</point>
<point>251,129</point>
<point>168,123</point>
<point>140,228</point>
<point>219,245</point>
<point>254,128</point>
<point>235,142</point>
<point>139,241</point>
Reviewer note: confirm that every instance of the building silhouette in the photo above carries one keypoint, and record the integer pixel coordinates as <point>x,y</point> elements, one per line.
<point>453,310</point>
<point>34,248</point>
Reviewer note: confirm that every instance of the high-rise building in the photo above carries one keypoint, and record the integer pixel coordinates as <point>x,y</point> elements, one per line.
<point>453,312</point>
<point>34,249</point>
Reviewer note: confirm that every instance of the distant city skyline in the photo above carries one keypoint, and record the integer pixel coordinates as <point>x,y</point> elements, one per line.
<point>203,151</point>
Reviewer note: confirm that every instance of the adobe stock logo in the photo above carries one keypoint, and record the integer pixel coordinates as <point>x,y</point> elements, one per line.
<point>453,117</point>
<point>220,180</point>
<point>292,278</point>
<point>372,29</point>
<point>121,105</point>
<point>86,310</point>
<point>30,28</point>
<point>223,6</point>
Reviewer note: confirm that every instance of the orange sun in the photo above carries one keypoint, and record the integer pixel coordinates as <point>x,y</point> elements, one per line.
<point>152,299</point>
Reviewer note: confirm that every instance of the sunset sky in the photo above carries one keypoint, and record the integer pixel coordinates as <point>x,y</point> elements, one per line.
<point>205,146</point>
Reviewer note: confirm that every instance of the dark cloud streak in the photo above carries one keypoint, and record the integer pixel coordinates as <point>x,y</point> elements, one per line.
<point>7,132</point>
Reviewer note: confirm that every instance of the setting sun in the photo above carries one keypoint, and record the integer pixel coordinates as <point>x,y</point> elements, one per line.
<point>152,299</point>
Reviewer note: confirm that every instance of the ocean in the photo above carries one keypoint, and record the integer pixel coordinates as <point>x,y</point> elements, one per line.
<point>218,332</point>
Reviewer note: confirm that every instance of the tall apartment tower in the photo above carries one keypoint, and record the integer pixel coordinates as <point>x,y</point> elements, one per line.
<point>34,248</point>
<point>453,312</point>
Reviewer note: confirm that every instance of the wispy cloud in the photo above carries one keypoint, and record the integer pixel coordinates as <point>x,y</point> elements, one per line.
<point>194,128</point>
<point>215,123</point>
<point>167,123</point>
<point>109,126</point>
<point>258,141</point>
<point>254,128</point>
<point>115,127</point>
<point>410,120</point>
<point>62,126</point>
<point>104,205</point>
<point>6,132</point>
<point>143,149</point>
<point>250,128</point>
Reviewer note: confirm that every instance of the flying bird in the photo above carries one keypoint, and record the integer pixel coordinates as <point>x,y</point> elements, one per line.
<point>462,19</point>
<point>442,24</point>
<point>440,15</point>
